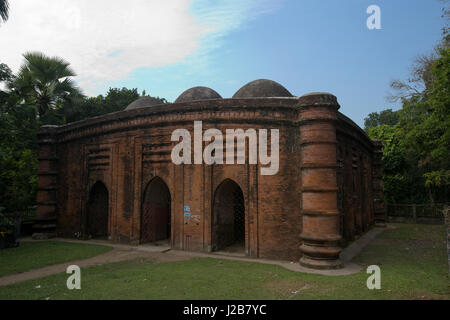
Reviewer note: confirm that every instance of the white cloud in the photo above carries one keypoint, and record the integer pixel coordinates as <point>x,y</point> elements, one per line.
<point>106,40</point>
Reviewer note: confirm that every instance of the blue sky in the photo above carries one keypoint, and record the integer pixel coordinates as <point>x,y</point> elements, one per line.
<point>166,47</point>
<point>307,46</point>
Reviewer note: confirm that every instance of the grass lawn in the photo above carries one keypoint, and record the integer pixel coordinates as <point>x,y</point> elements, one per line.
<point>32,255</point>
<point>412,258</point>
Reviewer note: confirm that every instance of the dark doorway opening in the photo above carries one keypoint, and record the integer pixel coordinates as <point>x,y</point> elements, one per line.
<point>155,216</point>
<point>98,211</point>
<point>228,221</point>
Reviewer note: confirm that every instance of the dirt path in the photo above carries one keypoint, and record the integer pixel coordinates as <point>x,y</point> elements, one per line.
<point>114,255</point>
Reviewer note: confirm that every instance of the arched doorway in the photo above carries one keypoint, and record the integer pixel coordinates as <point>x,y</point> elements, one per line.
<point>98,211</point>
<point>228,221</point>
<point>155,216</point>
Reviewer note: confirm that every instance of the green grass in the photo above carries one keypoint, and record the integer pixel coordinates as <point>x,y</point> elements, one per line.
<point>412,259</point>
<point>33,255</point>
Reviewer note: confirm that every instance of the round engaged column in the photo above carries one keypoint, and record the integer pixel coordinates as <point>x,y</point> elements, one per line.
<point>320,215</point>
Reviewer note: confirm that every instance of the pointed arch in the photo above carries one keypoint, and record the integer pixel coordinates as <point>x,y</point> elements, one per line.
<point>228,218</point>
<point>98,211</point>
<point>156,212</point>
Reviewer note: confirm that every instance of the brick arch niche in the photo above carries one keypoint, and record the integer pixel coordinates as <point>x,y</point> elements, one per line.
<point>155,216</point>
<point>228,218</point>
<point>98,211</point>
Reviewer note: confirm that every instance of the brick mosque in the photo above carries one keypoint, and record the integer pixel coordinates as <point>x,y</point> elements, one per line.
<point>112,177</point>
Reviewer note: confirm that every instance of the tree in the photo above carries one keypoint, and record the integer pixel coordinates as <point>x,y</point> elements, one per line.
<point>426,123</point>
<point>42,92</point>
<point>395,166</point>
<point>385,117</point>
<point>5,76</point>
<point>416,150</point>
<point>18,150</point>
<point>446,16</point>
<point>422,130</point>
<point>44,82</point>
<point>115,100</point>
<point>5,73</point>
<point>4,10</point>
<point>421,76</point>
<point>420,80</point>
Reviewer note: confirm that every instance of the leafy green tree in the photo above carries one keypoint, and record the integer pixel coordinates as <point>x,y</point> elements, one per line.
<point>115,100</point>
<point>5,76</point>
<point>4,10</point>
<point>396,177</point>
<point>426,123</point>
<point>385,117</point>
<point>416,151</point>
<point>5,72</point>
<point>18,154</point>
<point>42,92</point>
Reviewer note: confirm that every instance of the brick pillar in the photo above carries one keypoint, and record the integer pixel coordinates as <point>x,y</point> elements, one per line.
<point>377,185</point>
<point>319,200</point>
<point>45,224</point>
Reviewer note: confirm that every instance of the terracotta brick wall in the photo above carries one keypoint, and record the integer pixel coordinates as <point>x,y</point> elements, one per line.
<point>355,180</point>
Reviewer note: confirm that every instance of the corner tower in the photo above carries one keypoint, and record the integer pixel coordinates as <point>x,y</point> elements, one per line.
<point>319,203</point>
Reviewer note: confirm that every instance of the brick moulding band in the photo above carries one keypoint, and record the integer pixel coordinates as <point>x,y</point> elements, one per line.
<point>304,121</point>
<point>47,203</point>
<point>319,166</point>
<point>155,161</point>
<point>47,159</point>
<point>321,190</point>
<point>318,239</point>
<point>48,173</point>
<point>319,213</point>
<point>98,164</point>
<point>331,104</point>
<point>50,217</point>
<point>318,142</point>
<point>50,188</point>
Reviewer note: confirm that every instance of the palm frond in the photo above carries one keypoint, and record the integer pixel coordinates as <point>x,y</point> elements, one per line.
<point>45,80</point>
<point>4,9</point>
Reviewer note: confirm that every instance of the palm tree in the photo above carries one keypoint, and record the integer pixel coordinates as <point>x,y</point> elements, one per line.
<point>44,82</point>
<point>4,9</point>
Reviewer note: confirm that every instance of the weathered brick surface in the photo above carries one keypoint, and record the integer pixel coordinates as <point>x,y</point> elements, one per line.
<point>304,209</point>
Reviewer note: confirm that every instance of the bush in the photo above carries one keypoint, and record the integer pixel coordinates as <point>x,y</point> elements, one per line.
<point>6,225</point>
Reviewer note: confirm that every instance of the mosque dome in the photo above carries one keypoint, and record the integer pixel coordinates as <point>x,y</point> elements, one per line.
<point>198,93</point>
<point>262,88</point>
<point>144,102</point>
